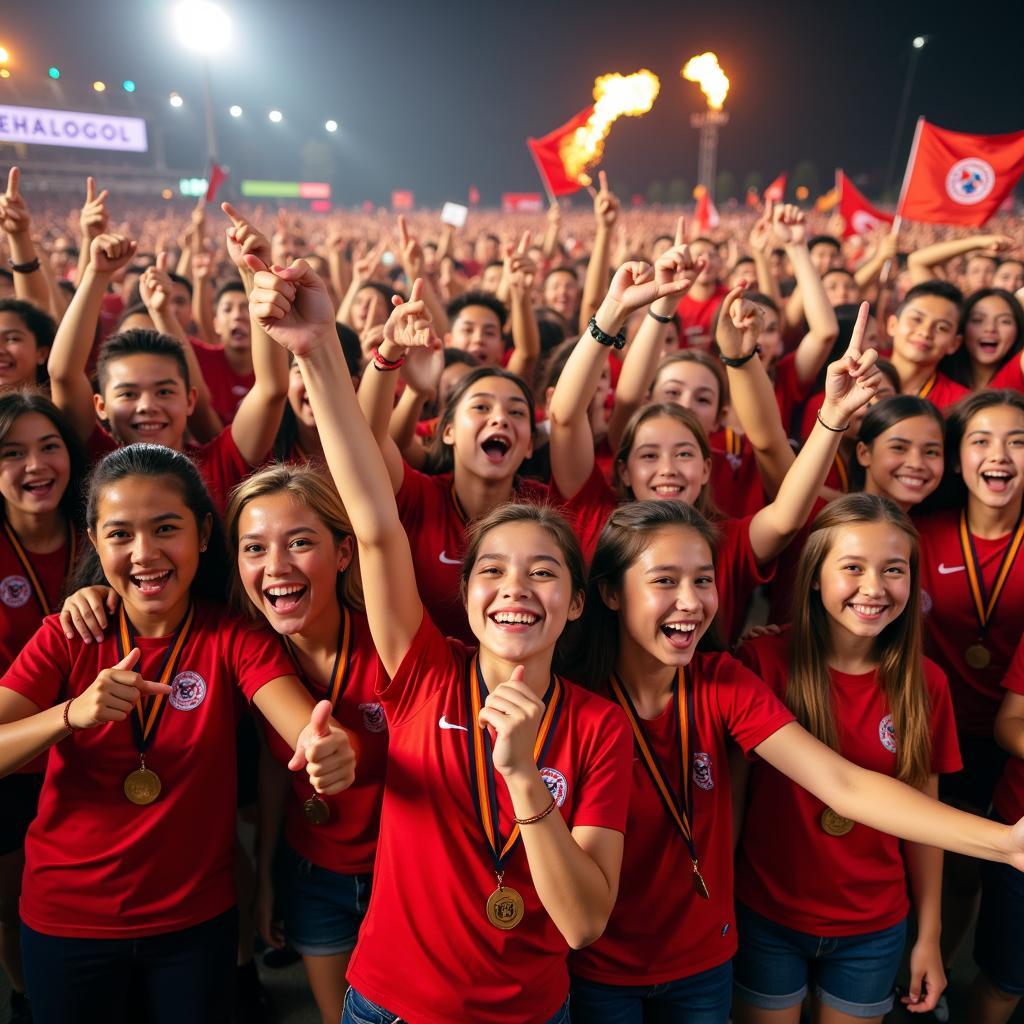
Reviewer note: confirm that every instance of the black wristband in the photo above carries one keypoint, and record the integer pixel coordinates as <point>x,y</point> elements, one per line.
<point>828,426</point>
<point>661,319</point>
<point>24,268</point>
<point>611,340</point>
<point>742,361</point>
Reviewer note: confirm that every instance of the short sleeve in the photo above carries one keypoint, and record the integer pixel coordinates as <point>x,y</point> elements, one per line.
<point>41,671</point>
<point>221,465</point>
<point>750,710</point>
<point>1010,375</point>
<point>256,657</point>
<point>606,775</point>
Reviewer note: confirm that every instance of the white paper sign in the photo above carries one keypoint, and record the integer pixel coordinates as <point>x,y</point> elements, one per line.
<point>454,214</point>
<point>41,127</point>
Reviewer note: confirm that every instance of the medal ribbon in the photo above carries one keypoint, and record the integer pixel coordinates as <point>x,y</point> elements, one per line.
<point>482,767</point>
<point>148,710</point>
<point>340,670</point>
<point>928,386</point>
<point>677,805</point>
<point>984,607</point>
<point>842,473</point>
<point>30,573</point>
<point>459,510</point>
<point>733,442</point>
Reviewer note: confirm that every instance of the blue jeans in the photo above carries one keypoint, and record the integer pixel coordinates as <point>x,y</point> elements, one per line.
<point>702,998</point>
<point>359,1010</point>
<point>188,975</point>
<point>1000,932</point>
<point>852,973</point>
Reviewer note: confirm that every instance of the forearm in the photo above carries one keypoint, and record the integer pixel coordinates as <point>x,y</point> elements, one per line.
<point>922,263</point>
<point>202,308</point>
<point>822,325</point>
<point>287,705</point>
<point>868,272</point>
<point>259,416</point>
<point>340,271</point>
<point>345,309</point>
<point>550,244</point>
<point>404,417</point>
<point>525,338</point>
<point>24,740</point>
<point>376,395</point>
<point>766,283</point>
<point>596,283</point>
<point>31,286</point>
<point>638,370</point>
<point>572,887</point>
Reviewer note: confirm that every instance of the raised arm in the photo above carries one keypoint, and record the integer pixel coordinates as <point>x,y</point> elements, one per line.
<point>92,222</point>
<point>411,253</point>
<point>761,241</point>
<point>927,263</point>
<point>554,224</point>
<point>520,271</point>
<point>851,382</point>
<point>606,213</point>
<point>202,296</point>
<point>69,354</point>
<point>363,269</point>
<point>29,282</point>
<point>293,307</point>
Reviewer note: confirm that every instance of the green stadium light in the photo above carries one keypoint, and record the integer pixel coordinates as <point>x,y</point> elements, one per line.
<point>54,73</point>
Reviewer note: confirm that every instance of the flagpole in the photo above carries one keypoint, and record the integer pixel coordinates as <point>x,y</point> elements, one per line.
<point>910,166</point>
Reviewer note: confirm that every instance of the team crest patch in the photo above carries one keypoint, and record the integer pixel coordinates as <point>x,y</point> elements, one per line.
<point>557,786</point>
<point>373,717</point>
<point>702,774</point>
<point>188,691</point>
<point>15,591</point>
<point>926,602</point>
<point>887,734</point>
<point>970,181</point>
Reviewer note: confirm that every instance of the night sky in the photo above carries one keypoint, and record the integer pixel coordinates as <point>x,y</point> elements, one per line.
<point>435,96</point>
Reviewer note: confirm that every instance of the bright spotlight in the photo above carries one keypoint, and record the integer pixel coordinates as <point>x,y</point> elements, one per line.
<point>128,85</point>
<point>276,116</point>
<point>175,100</point>
<point>235,110</point>
<point>4,56</point>
<point>919,42</point>
<point>331,126</point>
<point>202,26</point>
<point>54,73</point>
<point>100,86</point>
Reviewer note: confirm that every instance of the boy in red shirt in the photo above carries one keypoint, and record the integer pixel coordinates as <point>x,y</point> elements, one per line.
<point>227,365</point>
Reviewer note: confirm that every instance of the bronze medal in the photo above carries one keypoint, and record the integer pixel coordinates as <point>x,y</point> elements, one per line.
<point>700,887</point>
<point>505,908</point>
<point>978,656</point>
<point>142,786</point>
<point>835,824</point>
<point>316,810</point>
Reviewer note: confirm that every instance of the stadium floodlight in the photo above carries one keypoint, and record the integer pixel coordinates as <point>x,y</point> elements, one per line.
<point>331,126</point>
<point>235,110</point>
<point>175,100</point>
<point>202,26</point>
<point>276,116</point>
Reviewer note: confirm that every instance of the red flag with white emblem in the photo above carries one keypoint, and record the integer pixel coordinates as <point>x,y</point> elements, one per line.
<point>706,213</point>
<point>859,215</point>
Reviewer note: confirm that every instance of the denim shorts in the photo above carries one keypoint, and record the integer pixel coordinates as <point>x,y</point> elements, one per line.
<point>854,974</point>
<point>359,1010</point>
<point>702,998</point>
<point>321,909</point>
<point>999,936</point>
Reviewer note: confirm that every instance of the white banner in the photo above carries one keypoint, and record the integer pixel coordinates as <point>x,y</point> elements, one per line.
<point>41,127</point>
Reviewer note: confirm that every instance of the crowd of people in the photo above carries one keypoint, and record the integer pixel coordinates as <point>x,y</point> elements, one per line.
<point>599,620</point>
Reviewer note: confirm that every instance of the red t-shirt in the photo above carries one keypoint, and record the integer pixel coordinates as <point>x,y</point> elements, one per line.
<point>437,535</point>
<point>98,866</point>
<point>660,930</point>
<point>1009,795</point>
<point>348,841</point>
<point>945,392</point>
<point>736,486</point>
<point>695,316</point>
<point>426,949</point>
<point>782,586</point>
<point>788,868</point>
<point>227,388</point>
<point>1010,375</point>
<point>789,391</point>
<point>950,622</point>
<point>219,461</point>
<point>737,571</point>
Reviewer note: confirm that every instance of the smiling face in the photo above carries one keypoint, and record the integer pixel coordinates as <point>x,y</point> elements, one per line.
<point>519,592</point>
<point>925,330</point>
<point>904,462</point>
<point>1009,276</point>
<point>34,465</point>
<point>19,354</point>
<point>148,543</point>
<point>694,387</point>
<point>145,399</point>
<point>231,321</point>
<point>990,331</point>
<point>992,456</point>
<point>841,287</point>
<point>562,293</point>
<point>979,272</point>
<point>668,598</point>
<point>477,330</point>
<point>288,561</point>
<point>490,429</point>
<point>665,462</point>
<point>864,580</point>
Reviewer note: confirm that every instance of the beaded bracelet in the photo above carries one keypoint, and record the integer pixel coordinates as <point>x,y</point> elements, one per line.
<point>537,817</point>
<point>610,340</point>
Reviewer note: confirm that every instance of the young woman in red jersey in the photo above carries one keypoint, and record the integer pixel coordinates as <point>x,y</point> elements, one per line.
<point>663,456</point>
<point>119,901</point>
<point>297,570</point>
<point>992,326</point>
<point>819,898</point>
<point>648,626</point>
<point>42,468</point>
<point>478,885</point>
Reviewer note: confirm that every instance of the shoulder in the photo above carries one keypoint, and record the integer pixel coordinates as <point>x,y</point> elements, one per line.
<point>767,656</point>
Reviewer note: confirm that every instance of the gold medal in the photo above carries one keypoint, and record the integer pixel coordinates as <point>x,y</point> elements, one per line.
<point>700,887</point>
<point>142,786</point>
<point>978,656</point>
<point>835,824</point>
<point>316,810</point>
<point>505,908</point>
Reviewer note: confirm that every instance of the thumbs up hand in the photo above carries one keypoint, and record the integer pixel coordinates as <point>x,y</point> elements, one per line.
<point>325,750</point>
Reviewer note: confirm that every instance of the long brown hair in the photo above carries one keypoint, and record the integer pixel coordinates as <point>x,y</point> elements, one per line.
<point>898,647</point>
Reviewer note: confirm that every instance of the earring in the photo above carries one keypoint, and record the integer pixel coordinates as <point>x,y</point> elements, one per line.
<point>202,547</point>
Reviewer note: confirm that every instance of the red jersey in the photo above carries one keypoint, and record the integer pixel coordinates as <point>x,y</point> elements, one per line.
<point>98,866</point>
<point>737,572</point>
<point>789,869</point>
<point>1009,795</point>
<point>736,486</point>
<point>227,388</point>
<point>1010,375</point>
<point>219,461</point>
<point>348,841</point>
<point>660,930</point>
<point>695,316</point>
<point>434,869</point>
<point>950,622</point>
<point>783,585</point>
<point>942,391</point>
<point>789,391</point>
<point>436,526</point>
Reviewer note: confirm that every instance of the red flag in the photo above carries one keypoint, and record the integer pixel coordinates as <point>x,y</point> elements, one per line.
<point>706,214</point>
<point>776,191</point>
<point>546,153</point>
<point>752,201</point>
<point>402,199</point>
<point>859,215</point>
<point>217,178</point>
<point>956,178</point>
<point>474,195</point>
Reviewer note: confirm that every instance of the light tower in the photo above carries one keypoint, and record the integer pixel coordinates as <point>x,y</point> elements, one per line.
<point>706,72</point>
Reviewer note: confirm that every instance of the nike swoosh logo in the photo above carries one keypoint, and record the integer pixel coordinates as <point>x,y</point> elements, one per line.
<point>947,570</point>
<point>445,560</point>
<point>443,723</point>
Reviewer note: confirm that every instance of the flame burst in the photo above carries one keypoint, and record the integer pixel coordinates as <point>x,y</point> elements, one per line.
<point>707,73</point>
<point>615,96</point>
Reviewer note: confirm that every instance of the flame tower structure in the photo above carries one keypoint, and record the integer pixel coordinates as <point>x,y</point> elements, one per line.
<point>705,70</point>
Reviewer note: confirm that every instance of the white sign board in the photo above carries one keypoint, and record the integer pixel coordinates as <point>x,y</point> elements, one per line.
<point>40,127</point>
